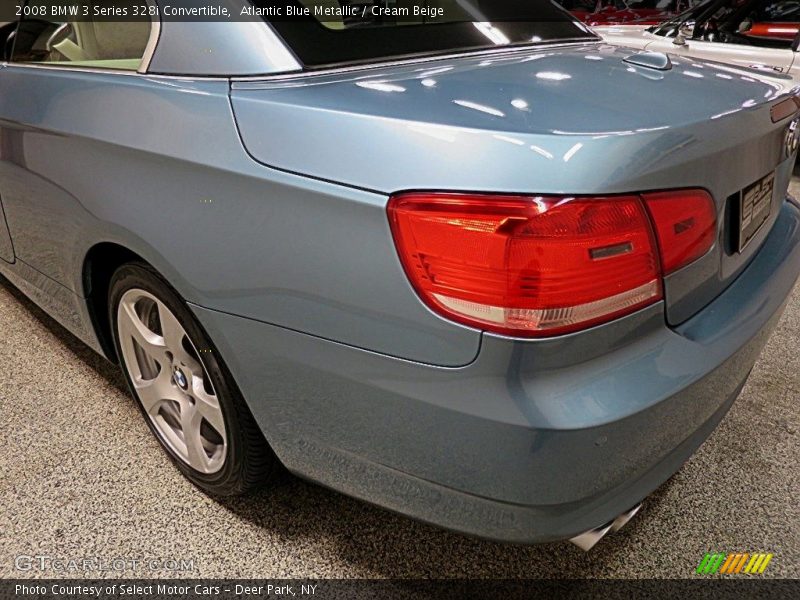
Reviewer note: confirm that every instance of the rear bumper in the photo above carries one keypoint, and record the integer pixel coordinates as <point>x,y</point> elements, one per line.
<point>533,441</point>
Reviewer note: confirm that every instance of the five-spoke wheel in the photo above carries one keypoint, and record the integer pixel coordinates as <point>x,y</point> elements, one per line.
<point>170,381</point>
<point>189,398</point>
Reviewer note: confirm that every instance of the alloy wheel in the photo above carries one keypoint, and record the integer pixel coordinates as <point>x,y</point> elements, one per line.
<point>170,381</point>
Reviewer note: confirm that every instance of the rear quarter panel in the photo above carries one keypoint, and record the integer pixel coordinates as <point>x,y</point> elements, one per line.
<point>155,164</point>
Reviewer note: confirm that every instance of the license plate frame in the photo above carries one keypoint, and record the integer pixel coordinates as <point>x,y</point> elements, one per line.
<point>755,207</point>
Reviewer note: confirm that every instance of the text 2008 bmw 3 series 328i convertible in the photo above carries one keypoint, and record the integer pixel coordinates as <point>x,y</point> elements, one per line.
<point>490,273</point>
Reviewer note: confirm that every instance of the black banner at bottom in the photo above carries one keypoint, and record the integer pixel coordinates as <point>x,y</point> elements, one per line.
<point>223,589</point>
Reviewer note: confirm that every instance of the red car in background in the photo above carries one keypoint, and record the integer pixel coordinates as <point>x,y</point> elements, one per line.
<point>775,20</point>
<point>773,31</point>
<point>629,12</point>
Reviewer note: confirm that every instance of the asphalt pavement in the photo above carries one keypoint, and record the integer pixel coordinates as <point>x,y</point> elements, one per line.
<point>81,477</point>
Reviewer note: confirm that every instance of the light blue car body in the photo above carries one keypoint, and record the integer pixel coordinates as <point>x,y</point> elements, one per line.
<point>260,194</point>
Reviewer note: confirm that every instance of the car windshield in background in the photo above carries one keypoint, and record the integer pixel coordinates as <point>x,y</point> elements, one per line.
<point>781,11</point>
<point>335,32</point>
<point>700,11</point>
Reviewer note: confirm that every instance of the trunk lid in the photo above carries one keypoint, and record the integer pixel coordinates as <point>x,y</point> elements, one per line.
<point>575,119</point>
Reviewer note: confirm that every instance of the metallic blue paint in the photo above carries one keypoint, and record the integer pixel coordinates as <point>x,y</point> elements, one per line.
<point>535,440</point>
<point>155,165</point>
<point>538,121</point>
<point>263,203</point>
<point>227,49</point>
<point>544,120</point>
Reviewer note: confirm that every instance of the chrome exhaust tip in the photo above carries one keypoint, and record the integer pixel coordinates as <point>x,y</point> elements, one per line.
<point>587,540</point>
<point>623,519</point>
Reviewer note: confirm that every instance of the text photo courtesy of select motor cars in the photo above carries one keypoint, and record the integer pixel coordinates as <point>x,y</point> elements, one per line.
<point>486,270</point>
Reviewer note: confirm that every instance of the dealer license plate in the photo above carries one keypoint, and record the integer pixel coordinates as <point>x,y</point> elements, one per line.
<point>754,208</point>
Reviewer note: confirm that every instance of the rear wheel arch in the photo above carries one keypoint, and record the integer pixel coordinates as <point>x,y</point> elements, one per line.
<point>99,265</point>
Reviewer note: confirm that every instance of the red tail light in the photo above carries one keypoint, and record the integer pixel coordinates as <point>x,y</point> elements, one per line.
<point>527,265</point>
<point>685,222</point>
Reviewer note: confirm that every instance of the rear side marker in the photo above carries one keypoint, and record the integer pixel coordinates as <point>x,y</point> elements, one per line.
<point>784,109</point>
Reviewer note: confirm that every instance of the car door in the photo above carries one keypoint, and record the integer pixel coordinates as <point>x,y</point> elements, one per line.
<point>57,78</point>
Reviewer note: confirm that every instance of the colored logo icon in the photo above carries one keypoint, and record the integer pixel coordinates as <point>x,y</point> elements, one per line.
<point>742,563</point>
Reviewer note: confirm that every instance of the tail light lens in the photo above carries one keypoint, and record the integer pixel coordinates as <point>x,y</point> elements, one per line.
<point>685,223</point>
<point>524,265</point>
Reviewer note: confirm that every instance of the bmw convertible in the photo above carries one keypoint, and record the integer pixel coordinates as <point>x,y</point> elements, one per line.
<point>484,270</point>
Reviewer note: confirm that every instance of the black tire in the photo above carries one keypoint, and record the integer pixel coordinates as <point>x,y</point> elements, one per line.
<point>249,461</point>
